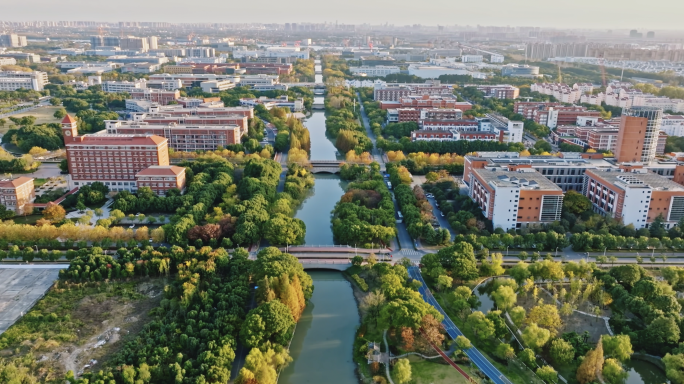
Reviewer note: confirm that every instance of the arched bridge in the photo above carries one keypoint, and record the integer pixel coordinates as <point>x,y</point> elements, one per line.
<point>325,166</point>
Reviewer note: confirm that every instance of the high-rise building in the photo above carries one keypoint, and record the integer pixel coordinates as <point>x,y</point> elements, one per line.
<point>153,42</point>
<point>134,43</point>
<point>638,135</point>
<point>12,40</point>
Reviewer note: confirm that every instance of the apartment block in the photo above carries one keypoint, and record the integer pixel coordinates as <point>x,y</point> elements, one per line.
<point>636,196</point>
<point>13,80</point>
<point>673,125</point>
<point>161,178</point>
<point>16,193</point>
<point>114,160</point>
<point>13,40</point>
<point>515,199</point>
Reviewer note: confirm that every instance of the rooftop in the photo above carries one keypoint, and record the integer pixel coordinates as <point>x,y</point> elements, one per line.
<point>161,170</point>
<point>527,179</point>
<point>102,139</point>
<point>641,178</point>
<point>19,181</point>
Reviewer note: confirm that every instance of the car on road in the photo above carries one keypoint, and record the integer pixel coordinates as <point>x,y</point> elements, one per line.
<point>430,195</point>
<point>132,226</point>
<point>441,213</point>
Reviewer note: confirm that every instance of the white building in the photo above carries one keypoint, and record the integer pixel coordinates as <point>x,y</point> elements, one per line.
<point>496,59</point>
<point>472,58</point>
<point>123,86</point>
<point>365,83</point>
<point>434,71</point>
<point>216,86</point>
<point>377,71</point>
<point>673,125</point>
<point>8,61</point>
<point>13,80</point>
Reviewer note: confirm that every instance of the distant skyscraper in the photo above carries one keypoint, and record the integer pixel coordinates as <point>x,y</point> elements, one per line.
<point>153,42</point>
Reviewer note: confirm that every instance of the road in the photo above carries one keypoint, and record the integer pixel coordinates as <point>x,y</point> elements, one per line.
<point>46,170</point>
<point>473,353</point>
<point>442,220</point>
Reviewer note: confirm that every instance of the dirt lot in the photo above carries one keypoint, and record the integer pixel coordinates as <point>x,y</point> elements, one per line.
<point>43,115</point>
<point>90,325</point>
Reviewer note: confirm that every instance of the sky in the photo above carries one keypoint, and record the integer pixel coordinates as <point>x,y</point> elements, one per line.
<point>592,14</point>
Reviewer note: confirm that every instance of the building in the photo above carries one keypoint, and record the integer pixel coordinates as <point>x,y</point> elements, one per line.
<point>13,41</point>
<point>673,125</point>
<point>635,195</point>
<point>519,70</point>
<point>181,137</point>
<point>638,135</point>
<point>374,71</point>
<point>240,120</point>
<point>562,92</point>
<point>566,115</point>
<point>427,102</point>
<point>472,58</point>
<point>123,86</point>
<point>8,61</point>
<point>216,86</point>
<point>155,95</point>
<point>134,43</point>
<point>200,52</point>
<point>31,58</point>
<point>295,105</point>
<point>161,178</point>
<point>140,68</point>
<point>113,160</point>
<point>451,135</point>
<point>515,198</point>
<point>501,91</point>
<point>13,80</point>
<point>16,193</point>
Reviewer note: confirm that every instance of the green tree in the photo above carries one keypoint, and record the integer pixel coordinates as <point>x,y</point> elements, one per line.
<point>504,351</point>
<point>504,297</point>
<point>283,230</point>
<point>535,337</point>
<point>463,343</point>
<point>528,357</point>
<point>576,203</point>
<point>520,272</point>
<point>517,315</point>
<point>443,282</point>
<point>613,372</point>
<point>674,367</point>
<point>60,113</point>
<point>268,322</point>
<point>618,347</point>
<point>481,326</point>
<point>547,373</point>
<point>561,351</point>
<point>402,371</point>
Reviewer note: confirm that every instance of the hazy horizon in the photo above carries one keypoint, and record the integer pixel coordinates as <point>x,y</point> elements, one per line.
<point>581,14</point>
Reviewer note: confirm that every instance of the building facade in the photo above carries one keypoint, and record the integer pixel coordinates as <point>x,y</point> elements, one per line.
<point>161,178</point>
<point>15,194</point>
<point>638,135</point>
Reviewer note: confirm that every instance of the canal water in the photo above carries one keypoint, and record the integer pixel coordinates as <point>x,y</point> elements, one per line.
<point>317,207</point>
<point>642,372</point>
<point>323,341</point>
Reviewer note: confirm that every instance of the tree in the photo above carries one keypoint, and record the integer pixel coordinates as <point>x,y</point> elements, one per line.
<point>528,357</point>
<point>282,230</point>
<point>504,351</point>
<point>618,347</point>
<point>535,337</point>
<point>576,203</point>
<point>504,297</point>
<point>561,351</point>
<point>592,363</point>
<point>463,343</point>
<point>371,304</point>
<point>517,315</point>
<point>268,322</point>
<point>402,371</point>
<point>674,367</point>
<point>64,165</point>
<point>54,213</point>
<point>613,372</point>
<point>432,177</point>
<point>481,326</point>
<point>60,113</point>
<point>547,373</point>
<point>520,272</point>
<point>545,316</point>
<point>443,282</point>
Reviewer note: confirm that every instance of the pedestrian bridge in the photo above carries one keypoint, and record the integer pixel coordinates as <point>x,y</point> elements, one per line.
<point>337,265</point>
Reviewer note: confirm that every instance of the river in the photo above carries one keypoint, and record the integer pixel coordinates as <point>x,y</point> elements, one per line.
<point>323,341</point>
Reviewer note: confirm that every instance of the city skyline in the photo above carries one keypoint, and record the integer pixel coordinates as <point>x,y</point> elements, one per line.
<point>603,15</point>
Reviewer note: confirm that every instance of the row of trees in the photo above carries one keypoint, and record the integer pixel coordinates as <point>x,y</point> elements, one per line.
<point>417,211</point>
<point>283,290</point>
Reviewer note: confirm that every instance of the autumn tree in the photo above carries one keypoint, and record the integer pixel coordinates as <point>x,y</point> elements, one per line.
<point>545,316</point>
<point>54,213</point>
<point>613,372</point>
<point>590,366</point>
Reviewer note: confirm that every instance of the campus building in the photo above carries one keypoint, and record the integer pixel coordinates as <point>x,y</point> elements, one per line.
<point>113,160</point>
<point>635,195</point>
<point>16,193</point>
<point>181,137</point>
<point>639,134</point>
<point>161,178</point>
<point>515,198</point>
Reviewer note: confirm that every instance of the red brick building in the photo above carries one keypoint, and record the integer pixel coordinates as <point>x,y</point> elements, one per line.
<point>155,95</point>
<point>113,160</point>
<point>161,178</point>
<point>15,194</point>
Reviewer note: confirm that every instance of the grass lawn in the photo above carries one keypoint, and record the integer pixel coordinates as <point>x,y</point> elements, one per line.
<point>39,182</point>
<point>43,115</point>
<point>435,371</point>
<point>30,219</point>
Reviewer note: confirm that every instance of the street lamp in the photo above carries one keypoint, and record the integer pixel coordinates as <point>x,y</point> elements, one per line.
<point>556,252</point>
<point>507,251</point>
<point>604,250</point>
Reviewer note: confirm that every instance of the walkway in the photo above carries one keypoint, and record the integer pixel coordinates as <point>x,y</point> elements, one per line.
<point>473,353</point>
